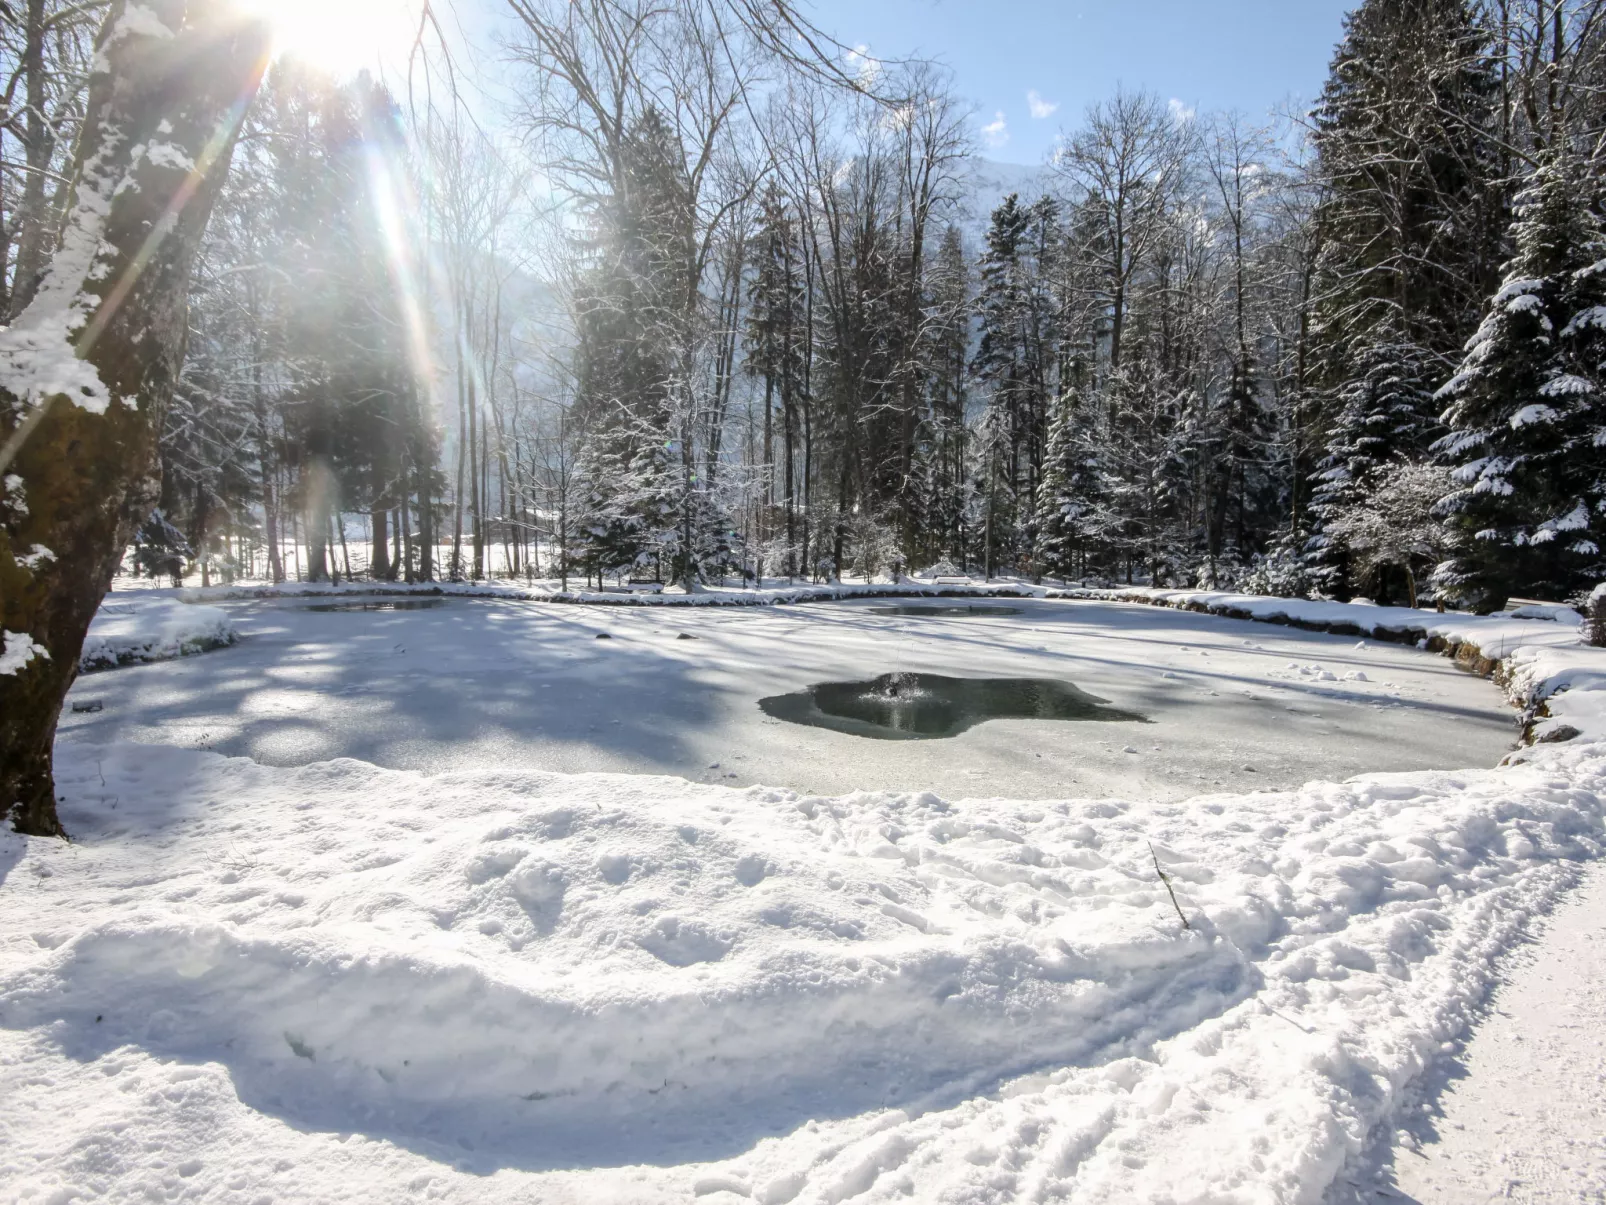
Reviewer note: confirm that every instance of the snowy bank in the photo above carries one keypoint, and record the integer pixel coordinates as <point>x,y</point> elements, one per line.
<point>150,625</point>
<point>629,987</point>
<point>371,984</point>
<point>709,596</point>
<point>1533,652</point>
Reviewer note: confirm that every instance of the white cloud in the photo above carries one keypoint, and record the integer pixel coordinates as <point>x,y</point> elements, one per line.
<point>1040,108</point>
<point>862,63</point>
<point>1181,113</point>
<point>996,131</point>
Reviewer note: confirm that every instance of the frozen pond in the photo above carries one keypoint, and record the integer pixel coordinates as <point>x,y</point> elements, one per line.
<point>911,706</point>
<point>474,684</point>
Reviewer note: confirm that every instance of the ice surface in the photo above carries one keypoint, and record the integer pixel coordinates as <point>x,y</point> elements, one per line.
<point>479,682</point>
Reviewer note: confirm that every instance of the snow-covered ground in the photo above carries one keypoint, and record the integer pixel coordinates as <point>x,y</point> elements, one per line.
<point>152,625</point>
<point>1520,1115</point>
<point>1233,705</point>
<point>340,981</point>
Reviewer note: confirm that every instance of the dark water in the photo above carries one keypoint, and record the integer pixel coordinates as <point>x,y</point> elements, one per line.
<point>381,604</point>
<point>912,707</point>
<point>961,611</point>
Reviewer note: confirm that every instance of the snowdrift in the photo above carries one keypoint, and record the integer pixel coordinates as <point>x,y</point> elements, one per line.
<point>346,981</point>
<point>149,625</point>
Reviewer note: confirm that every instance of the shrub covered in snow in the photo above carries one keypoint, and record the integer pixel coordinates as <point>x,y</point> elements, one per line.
<point>133,626</point>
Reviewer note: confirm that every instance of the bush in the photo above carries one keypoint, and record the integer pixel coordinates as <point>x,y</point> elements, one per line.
<point>1280,572</point>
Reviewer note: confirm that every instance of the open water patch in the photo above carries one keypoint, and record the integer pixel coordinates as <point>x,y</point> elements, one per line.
<point>960,611</point>
<point>914,707</point>
<point>378,604</point>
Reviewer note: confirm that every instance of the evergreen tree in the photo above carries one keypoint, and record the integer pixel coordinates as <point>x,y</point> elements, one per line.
<point>1384,415</point>
<point>1527,417</point>
<point>775,336</point>
<point>1410,225</point>
<point>947,356</point>
<point>1071,522</point>
<point>1014,361</point>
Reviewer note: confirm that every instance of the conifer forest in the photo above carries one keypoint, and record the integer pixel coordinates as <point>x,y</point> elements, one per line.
<point>703,307</point>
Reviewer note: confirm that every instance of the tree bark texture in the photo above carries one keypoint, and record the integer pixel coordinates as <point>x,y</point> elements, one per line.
<point>88,368</point>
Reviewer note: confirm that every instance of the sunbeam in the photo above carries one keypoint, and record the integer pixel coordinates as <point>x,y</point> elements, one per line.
<point>341,37</point>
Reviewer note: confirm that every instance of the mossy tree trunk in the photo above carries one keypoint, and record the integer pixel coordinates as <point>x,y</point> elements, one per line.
<point>88,368</point>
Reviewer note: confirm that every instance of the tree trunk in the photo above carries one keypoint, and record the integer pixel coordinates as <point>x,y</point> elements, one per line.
<point>270,506</point>
<point>81,402</point>
<point>456,570</point>
<point>379,559</point>
<point>426,527</point>
<point>339,519</point>
<point>475,514</point>
<point>319,485</point>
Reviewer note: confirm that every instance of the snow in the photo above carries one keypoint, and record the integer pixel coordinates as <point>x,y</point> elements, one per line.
<point>17,649</point>
<point>1594,316</point>
<point>168,155</point>
<point>337,980</point>
<point>37,357</point>
<point>139,20</point>
<point>152,625</point>
<point>1561,386</point>
<point>1525,1119</point>
<point>1497,636</point>
<point>1529,415</point>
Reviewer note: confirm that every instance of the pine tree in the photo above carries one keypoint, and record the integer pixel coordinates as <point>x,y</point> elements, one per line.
<point>1409,224</point>
<point>1527,417</point>
<point>1014,360</point>
<point>775,336</point>
<point>1071,523</point>
<point>1385,408</point>
<point>1146,471</point>
<point>947,355</point>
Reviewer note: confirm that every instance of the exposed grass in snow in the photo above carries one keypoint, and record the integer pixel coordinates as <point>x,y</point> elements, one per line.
<point>512,986</point>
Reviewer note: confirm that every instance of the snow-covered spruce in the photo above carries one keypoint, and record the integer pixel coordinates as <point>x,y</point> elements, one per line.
<point>1525,409</point>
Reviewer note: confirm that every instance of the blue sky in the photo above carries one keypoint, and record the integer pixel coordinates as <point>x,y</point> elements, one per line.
<point>1251,55</point>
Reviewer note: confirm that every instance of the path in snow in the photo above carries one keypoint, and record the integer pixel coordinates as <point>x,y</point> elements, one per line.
<point>1235,705</point>
<point>1520,1115</point>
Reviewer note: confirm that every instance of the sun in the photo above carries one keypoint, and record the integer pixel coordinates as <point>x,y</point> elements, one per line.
<point>341,37</point>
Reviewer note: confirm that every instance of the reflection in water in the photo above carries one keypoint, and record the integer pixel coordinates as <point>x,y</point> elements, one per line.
<point>961,611</point>
<point>380,604</point>
<point>903,707</point>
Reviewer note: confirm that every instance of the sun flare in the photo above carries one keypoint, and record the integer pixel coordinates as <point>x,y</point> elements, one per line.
<point>341,37</point>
